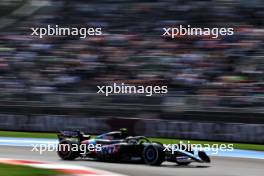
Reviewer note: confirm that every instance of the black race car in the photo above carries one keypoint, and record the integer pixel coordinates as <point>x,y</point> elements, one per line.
<point>117,146</point>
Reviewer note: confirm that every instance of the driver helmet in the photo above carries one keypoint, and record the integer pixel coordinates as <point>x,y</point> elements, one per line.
<point>124,132</point>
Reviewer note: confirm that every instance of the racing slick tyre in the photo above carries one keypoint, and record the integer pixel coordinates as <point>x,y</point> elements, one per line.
<point>65,150</point>
<point>153,155</point>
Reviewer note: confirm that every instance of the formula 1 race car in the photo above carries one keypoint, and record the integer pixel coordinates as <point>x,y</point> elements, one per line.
<point>117,146</point>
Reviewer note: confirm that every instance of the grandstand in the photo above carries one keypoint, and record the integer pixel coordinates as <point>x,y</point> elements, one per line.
<point>227,72</point>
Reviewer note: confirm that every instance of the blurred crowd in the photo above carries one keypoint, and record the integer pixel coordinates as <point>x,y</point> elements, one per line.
<point>133,50</point>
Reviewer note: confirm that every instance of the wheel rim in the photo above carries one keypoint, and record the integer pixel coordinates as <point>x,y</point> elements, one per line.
<point>150,154</point>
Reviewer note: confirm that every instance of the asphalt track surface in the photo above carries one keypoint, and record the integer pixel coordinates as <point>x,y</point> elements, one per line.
<point>220,166</point>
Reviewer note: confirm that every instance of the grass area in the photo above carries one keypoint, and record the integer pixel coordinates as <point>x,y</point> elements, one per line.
<point>162,140</point>
<point>14,170</point>
<point>27,134</point>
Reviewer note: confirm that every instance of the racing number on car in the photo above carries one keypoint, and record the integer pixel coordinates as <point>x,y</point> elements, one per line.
<point>108,149</point>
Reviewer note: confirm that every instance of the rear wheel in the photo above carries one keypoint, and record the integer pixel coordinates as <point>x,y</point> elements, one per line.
<point>68,150</point>
<point>153,155</point>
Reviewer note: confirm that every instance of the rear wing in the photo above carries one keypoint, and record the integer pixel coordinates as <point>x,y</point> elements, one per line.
<point>72,134</point>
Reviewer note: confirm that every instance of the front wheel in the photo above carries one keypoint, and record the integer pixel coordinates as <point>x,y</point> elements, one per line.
<point>153,155</point>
